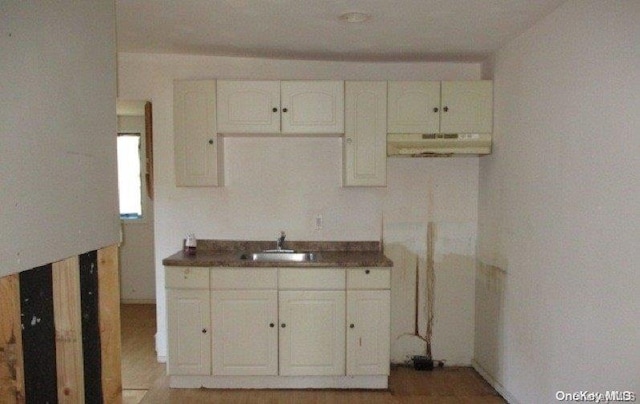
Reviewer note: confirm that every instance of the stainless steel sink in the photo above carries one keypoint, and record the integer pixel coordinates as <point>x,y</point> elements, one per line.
<point>280,256</point>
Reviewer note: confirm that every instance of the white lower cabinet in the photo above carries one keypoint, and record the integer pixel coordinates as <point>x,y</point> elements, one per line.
<point>188,321</point>
<point>312,326</point>
<point>189,332</point>
<point>245,333</point>
<point>368,332</point>
<point>278,328</point>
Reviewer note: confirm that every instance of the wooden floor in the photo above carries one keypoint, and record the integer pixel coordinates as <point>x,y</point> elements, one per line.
<point>144,380</point>
<point>140,368</point>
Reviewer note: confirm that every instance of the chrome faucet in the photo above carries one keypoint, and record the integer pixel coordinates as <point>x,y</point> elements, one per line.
<point>280,241</point>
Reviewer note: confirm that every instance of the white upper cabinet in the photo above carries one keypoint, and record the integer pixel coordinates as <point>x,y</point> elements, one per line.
<point>198,148</point>
<point>248,106</point>
<point>440,107</point>
<point>414,107</point>
<point>365,143</point>
<point>312,106</point>
<point>467,107</point>
<point>287,107</point>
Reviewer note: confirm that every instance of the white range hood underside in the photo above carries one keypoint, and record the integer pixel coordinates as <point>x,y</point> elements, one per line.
<point>437,145</point>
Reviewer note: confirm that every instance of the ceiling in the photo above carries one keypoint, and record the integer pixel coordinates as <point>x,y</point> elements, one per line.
<point>397,30</point>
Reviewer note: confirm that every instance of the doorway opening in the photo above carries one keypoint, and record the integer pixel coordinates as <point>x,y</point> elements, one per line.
<point>140,367</point>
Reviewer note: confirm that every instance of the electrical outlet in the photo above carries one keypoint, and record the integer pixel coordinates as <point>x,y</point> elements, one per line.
<point>318,222</point>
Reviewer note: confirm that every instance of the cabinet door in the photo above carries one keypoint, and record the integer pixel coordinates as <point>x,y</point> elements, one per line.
<point>467,107</point>
<point>368,324</point>
<point>188,317</point>
<point>245,332</point>
<point>365,154</point>
<point>248,106</point>
<point>312,106</point>
<point>414,107</point>
<point>312,333</point>
<point>198,149</point>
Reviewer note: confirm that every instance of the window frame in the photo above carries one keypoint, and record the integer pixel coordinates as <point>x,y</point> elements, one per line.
<point>143,180</point>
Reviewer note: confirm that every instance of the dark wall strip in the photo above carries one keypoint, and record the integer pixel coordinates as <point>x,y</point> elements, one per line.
<point>90,327</point>
<point>38,336</point>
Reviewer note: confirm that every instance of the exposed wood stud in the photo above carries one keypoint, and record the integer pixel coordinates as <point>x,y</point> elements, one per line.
<point>11,362</point>
<point>60,332</point>
<point>109,306</point>
<point>68,326</point>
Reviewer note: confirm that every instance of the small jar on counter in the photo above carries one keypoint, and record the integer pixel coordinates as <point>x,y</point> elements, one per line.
<point>190,244</point>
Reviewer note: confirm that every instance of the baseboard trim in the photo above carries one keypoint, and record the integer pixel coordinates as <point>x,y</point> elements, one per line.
<point>497,386</point>
<point>137,301</point>
<point>280,382</point>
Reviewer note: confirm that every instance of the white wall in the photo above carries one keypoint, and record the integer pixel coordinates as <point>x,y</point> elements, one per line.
<point>137,261</point>
<point>273,184</point>
<point>559,204</point>
<point>58,182</point>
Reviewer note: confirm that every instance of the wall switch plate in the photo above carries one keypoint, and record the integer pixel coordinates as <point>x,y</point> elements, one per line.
<point>318,222</point>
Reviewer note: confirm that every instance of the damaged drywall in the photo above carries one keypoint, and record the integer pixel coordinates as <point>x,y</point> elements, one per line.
<point>454,267</point>
<point>490,282</point>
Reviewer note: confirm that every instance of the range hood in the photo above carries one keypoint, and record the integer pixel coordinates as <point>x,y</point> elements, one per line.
<point>437,145</point>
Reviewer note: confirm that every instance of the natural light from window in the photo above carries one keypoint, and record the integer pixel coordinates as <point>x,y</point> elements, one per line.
<point>129,176</point>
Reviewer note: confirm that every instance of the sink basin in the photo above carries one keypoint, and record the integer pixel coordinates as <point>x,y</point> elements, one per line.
<point>281,256</point>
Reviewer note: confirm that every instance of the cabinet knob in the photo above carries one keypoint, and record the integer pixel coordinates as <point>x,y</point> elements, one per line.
<point>367,271</point>
<point>445,109</point>
<point>349,140</point>
<point>352,326</point>
<point>271,325</point>
<point>210,141</point>
<point>275,109</point>
<point>283,325</point>
<point>435,109</point>
<point>204,330</point>
<point>285,110</point>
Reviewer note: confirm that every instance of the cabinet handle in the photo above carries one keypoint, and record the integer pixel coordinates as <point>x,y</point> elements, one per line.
<point>275,109</point>
<point>204,330</point>
<point>271,325</point>
<point>352,326</point>
<point>445,109</point>
<point>210,141</point>
<point>283,325</point>
<point>367,271</point>
<point>435,109</point>
<point>285,110</point>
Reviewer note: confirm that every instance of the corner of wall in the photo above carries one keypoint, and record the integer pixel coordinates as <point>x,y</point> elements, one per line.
<point>487,67</point>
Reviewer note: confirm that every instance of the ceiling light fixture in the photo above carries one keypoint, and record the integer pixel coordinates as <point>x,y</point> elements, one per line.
<point>354,17</point>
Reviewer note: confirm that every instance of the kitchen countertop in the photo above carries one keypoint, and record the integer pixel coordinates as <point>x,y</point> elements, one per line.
<point>226,253</point>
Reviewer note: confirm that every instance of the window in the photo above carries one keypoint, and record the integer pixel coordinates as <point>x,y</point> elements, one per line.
<point>129,176</point>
